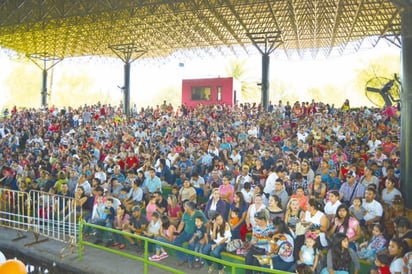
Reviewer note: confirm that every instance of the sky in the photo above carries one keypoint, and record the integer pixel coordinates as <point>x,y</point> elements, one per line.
<point>147,78</point>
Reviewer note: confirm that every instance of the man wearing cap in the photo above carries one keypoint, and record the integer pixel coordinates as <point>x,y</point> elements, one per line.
<point>351,188</point>
<point>243,178</point>
<point>137,223</point>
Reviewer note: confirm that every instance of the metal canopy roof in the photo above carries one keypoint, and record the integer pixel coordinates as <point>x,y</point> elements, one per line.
<point>68,28</point>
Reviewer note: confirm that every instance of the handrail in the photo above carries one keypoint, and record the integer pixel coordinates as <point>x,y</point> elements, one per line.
<point>234,266</point>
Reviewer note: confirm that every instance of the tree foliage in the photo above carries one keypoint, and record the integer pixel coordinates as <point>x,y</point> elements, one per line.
<point>239,70</point>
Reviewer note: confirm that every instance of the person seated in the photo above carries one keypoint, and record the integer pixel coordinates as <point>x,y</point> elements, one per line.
<point>403,230</point>
<point>137,225</point>
<point>369,249</point>
<point>390,191</point>
<point>332,205</point>
<point>261,234</point>
<point>216,205</point>
<point>301,197</point>
<point>282,246</point>
<point>341,258</point>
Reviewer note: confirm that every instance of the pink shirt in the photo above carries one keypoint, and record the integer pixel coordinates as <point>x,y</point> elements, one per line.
<point>351,231</point>
<point>173,211</point>
<point>150,208</point>
<point>224,189</point>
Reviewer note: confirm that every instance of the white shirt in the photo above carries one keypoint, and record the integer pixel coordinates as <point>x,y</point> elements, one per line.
<point>241,180</point>
<point>396,265</point>
<point>373,209</point>
<point>331,208</point>
<point>247,195</point>
<point>373,145</point>
<point>200,182</point>
<point>227,235</point>
<point>270,183</point>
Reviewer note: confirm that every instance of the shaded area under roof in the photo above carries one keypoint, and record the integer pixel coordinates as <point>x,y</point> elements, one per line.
<point>194,27</point>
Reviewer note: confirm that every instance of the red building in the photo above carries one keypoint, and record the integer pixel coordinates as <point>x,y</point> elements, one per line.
<point>210,91</point>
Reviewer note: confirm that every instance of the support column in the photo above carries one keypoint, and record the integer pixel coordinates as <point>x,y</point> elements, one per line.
<point>405,11</point>
<point>126,89</point>
<point>266,43</point>
<point>406,104</point>
<point>41,60</point>
<point>128,53</point>
<point>265,80</point>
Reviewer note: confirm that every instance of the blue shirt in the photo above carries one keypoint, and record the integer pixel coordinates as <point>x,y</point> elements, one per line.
<point>154,184</point>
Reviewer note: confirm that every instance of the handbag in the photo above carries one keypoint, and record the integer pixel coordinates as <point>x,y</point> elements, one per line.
<point>234,245</point>
<point>301,229</point>
<point>258,250</point>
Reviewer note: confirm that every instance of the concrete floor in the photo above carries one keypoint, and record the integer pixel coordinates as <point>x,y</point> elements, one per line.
<point>94,261</point>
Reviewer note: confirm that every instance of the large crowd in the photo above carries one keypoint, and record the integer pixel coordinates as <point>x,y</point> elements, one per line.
<point>312,185</point>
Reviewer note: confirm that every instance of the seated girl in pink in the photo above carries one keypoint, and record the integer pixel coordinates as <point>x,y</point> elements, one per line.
<point>346,224</point>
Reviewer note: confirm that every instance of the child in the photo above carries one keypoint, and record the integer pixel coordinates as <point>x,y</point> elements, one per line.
<point>247,192</point>
<point>175,191</point>
<point>234,217</point>
<point>377,243</point>
<point>308,254</point>
<point>334,180</point>
<point>151,207</point>
<point>197,242</point>
<point>123,193</point>
<point>383,261</point>
<point>357,210</point>
<point>153,229</point>
<point>303,269</point>
<point>103,214</point>
<point>167,235</point>
<point>109,212</point>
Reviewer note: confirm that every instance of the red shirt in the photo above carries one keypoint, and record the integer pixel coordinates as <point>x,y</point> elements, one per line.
<point>384,270</point>
<point>132,161</point>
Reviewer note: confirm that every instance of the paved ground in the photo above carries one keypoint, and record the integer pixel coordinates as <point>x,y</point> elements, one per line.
<point>94,261</point>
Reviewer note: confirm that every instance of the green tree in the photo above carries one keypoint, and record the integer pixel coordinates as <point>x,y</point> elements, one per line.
<point>239,70</point>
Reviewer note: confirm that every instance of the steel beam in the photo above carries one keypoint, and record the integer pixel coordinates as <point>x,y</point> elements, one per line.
<point>128,53</point>
<point>42,60</point>
<point>266,43</point>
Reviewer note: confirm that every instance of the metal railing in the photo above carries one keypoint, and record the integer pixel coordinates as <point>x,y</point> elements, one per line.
<point>235,267</point>
<point>14,209</point>
<point>54,216</point>
<point>42,213</point>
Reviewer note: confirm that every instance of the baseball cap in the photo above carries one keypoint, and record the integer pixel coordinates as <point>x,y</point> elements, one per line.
<point>351,173</point>
<point>136,208</point>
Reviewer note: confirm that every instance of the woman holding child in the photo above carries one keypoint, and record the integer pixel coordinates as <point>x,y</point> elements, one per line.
<point>240,207</point>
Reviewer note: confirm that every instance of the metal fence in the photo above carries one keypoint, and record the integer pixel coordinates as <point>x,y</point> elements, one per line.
<point>45,214</point>
<point>14,210</point>
<point>231,267</point>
